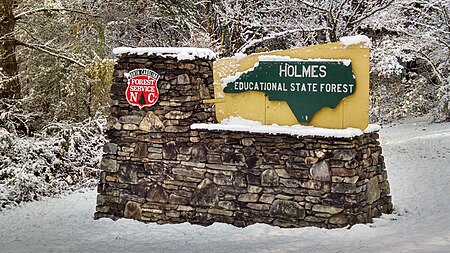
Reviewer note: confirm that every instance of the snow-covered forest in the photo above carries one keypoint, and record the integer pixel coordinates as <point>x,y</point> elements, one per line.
<point>57,62</point>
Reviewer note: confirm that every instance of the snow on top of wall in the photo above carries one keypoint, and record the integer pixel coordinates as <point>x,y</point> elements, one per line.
<point>181,53</point>
<point>352,40</point>
<point>245,125</point>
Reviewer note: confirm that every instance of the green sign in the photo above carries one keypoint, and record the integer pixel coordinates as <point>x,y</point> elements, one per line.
<point>307,86</point>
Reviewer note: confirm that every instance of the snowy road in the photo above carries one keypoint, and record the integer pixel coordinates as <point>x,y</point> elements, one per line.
<point>417,156</point>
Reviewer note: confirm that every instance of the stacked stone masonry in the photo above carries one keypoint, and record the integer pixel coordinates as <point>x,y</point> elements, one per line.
<point>157,169</point>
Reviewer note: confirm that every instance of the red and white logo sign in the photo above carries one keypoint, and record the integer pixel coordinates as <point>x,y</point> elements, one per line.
<point>142,90</point>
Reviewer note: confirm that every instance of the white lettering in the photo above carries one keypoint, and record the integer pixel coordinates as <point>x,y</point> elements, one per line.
<point>151,98</point>
<point>283,70</point>
<point>133,96</point>
<point>323,71</point>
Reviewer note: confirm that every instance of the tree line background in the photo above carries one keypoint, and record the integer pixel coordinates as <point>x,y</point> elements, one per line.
<point>56,55</point>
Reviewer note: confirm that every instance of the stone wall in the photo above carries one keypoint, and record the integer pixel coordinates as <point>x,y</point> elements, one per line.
<point>157,169</point>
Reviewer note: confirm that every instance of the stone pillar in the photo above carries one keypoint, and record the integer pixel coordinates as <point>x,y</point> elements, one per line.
<point>136,137</point>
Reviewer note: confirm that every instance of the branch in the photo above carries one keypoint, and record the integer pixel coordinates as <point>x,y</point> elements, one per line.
<point>371,13</point>
<point>341,7</point>
<point>49,50</point>
<point>311,5</point>
<point>30,12</point>
<point>253,42</point>
<point>433,66</point>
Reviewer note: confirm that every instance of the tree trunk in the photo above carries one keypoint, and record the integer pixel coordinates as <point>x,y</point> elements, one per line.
<point>9,70</point>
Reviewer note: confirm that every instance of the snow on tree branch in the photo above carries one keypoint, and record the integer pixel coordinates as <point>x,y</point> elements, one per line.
<point>34,11</point>
<point>50,51</point>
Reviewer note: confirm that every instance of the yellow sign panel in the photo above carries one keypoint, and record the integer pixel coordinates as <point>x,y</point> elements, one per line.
<point>352,111</point>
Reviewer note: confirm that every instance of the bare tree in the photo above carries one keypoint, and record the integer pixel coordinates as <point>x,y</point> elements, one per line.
<point>9,70</point>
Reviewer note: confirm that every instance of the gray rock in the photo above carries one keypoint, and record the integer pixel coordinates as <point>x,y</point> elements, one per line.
<point>131,119</point>
<point>344,154</point>
<point>183,79</point>
<point>320,171</point>
<point>110,148</point>
<point>176,129</point>
<point>373,190</point>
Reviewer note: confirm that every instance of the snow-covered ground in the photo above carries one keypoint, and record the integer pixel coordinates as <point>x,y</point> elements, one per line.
<point>417,156</point>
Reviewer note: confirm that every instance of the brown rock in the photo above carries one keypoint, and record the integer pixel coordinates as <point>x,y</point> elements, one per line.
<point>177,115</point>
<point>286,209</point>
<point>340,219</point>
<point>269,178</point>
<point>282,173</point>
<point>112,123</point>
<point>207,194</point>
<point>220,212</point>
<point>267,198</point>
<point>151,123</point>
<point>127,174</point>
<point>343,188</point>
<point>141,150</point>
<point>229,205</point>
<point>239,180</point>
<point>198,152</point>
<point>156,193</point>
<point>247,142</point>
<point>169,151</point>
<point>233,158</point>
<point>327,209</point>
<point>254,189</point>
<point>178,200</point>
<point>259,207</point>
<point>109,165</point>
<point>248,197</point>
<point>222,180</point>
<point>132,210</point>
